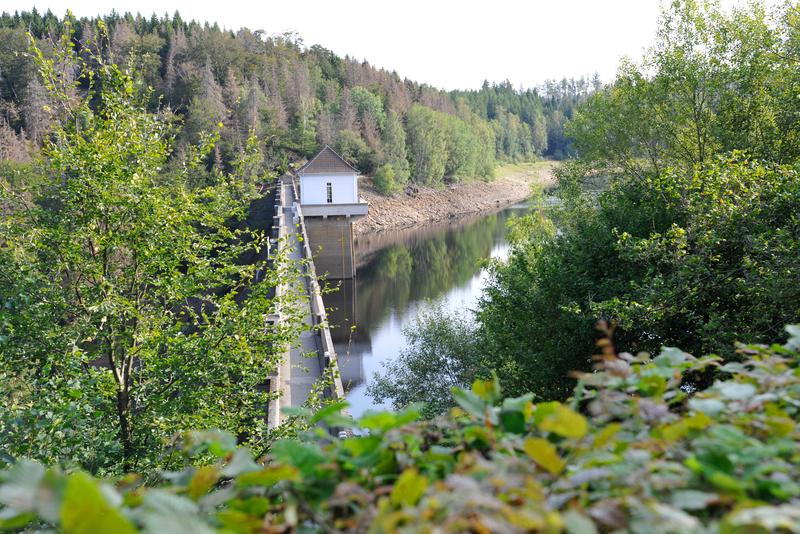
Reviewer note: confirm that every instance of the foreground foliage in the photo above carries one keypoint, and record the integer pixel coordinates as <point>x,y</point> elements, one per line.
<point>650,456</point>
<point>129,307</point>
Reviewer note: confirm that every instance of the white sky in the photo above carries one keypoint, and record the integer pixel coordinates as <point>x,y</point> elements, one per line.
<point>446,43</point>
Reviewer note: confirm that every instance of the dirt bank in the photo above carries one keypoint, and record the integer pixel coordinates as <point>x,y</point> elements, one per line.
<point>427,205</point>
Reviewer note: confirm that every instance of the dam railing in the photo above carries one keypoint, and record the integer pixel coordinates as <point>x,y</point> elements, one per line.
<point>297,238</point>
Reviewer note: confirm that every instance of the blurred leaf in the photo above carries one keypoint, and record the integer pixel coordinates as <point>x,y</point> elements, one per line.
<point>268,476</point>
<point>327,411</point>
<point>303,456</point>
<point>735,390</point>
<point>11,519</point>
<point>577,523</point>
<point>565,422</point>
<point>785,518</point>
<point>544,453</point>
<point>240,462</point>
<point>710,407</point>
<point>470,402</point>
<point>164,512</point>
<point>384,421</point>
<point>512,421</point>
<point>85,510</point>
<point>693,499</point>
<point>794,336</point>
<point>202,481</point>
<point>488,390</point>
<point>21,484</point>
<point>671,357</point>
<point>409,488</point>
<point>603,437</point>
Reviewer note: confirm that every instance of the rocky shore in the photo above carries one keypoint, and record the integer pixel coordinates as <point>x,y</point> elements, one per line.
<point>425,205</point>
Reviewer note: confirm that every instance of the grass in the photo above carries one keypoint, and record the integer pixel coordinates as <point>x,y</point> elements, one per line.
<point>525,167</point>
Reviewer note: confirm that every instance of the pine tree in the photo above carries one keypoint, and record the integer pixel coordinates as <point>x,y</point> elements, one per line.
<point>35,110</point>
<point>394,148</point>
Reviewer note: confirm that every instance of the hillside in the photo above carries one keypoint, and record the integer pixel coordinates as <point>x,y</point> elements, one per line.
<point>293,98</point>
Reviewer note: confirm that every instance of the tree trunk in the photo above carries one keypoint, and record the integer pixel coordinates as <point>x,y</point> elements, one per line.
<point>125,435</point>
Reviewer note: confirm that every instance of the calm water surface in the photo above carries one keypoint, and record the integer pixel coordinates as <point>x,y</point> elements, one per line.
<point>399,274</point>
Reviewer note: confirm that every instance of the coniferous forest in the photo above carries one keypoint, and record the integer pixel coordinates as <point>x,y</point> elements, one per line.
<point>293,98</point>
<point>632,365</point>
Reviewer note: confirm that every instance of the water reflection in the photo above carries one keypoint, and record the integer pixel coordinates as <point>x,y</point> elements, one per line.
<point>397,274</point>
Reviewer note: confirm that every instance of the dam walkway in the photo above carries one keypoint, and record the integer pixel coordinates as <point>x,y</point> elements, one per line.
<point>311,361</point>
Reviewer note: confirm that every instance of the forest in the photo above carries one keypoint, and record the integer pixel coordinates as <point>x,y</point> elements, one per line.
<point>632,366</point>
<point>294,99</point>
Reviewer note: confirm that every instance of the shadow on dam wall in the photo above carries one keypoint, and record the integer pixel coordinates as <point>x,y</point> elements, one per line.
<point>331,241</point>
<point>351,340</point>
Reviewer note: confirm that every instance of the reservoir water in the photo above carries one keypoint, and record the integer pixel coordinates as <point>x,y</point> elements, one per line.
<point>398,275</point>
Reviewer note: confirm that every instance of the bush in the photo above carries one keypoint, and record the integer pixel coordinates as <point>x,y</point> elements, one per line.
<point>384,180</point>
<point>441,354</point>
<point>633,450</point>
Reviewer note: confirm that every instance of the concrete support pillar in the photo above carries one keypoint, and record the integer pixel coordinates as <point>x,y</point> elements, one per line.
<point>331,241</point>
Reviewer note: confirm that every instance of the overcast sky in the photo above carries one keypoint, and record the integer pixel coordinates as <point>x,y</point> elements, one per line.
<point>448,44</point>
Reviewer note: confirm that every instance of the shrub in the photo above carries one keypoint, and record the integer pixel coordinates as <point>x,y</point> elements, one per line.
<point>441,354</point>
<point>634,449</point>
<point>384,180</point>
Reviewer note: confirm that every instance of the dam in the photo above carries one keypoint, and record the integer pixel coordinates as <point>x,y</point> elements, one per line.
<point>314,210</point>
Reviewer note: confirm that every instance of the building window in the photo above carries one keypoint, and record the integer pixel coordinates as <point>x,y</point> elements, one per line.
<point>329,192</point>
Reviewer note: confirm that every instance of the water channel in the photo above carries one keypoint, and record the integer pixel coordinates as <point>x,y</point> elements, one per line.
<point>398,275</point>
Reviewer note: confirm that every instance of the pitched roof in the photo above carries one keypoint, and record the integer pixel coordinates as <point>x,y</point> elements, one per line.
<point>326,161</point>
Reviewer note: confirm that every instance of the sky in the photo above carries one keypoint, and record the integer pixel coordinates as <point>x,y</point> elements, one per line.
<point>448,44</point>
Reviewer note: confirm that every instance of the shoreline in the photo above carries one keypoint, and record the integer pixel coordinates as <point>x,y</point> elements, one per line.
<point>427,205</point>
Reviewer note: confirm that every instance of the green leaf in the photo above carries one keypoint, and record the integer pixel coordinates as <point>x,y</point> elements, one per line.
<point>513,421</point>
<point>303,456</point>
<point>671,357</point>
<point>488,390</point>
<point>11,519</point>
<point>202,481</point>
<point>384,421</point>
<point>362,445</point>
<point>470,402</point>
<point>409,488</point>
<point>736,390</point>
<point>162,511</point>
<point>21,485</point>
<point>85,509</point>
<point>710,407</point>
<point>576,523</point>
<point>544,454</point>
<point>269,476</point>
<point>325,411</point>
<point>693,499</point>
<point>652,385</point>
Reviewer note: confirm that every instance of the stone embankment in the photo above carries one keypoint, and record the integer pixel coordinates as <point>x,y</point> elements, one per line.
<point>425,205</point>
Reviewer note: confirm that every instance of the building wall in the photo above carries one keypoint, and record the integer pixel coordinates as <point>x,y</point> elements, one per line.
<point>313,188</point>
<point>331,243</point>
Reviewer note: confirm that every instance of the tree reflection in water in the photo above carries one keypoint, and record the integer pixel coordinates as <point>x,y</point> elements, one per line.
<point>397,273</point>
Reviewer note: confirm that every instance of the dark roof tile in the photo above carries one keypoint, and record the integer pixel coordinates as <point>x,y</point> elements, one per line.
<point>326,161</point>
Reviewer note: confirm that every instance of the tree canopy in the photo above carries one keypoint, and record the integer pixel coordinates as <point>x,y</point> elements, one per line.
<point>293,98</point>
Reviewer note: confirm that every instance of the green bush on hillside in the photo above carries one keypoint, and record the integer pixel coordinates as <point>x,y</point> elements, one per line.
<point>384,180</point>
<point>634,449</point>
